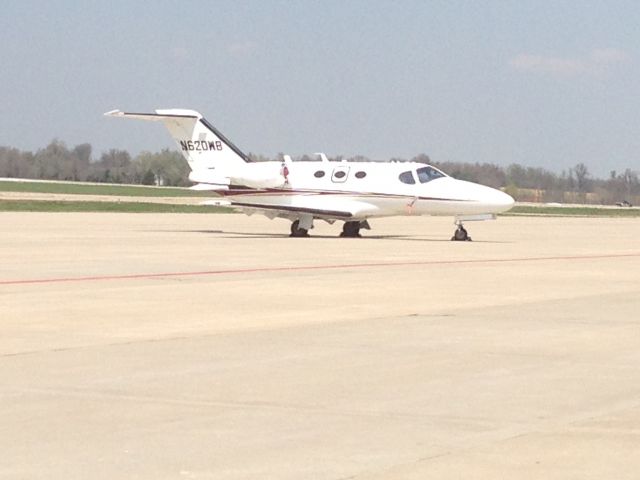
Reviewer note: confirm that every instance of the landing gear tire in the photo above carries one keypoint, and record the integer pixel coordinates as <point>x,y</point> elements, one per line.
<point>461,235</point>
<point>351,230</point>
<point>298,232</point>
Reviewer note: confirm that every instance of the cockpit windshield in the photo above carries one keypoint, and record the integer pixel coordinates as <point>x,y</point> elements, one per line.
<point>426,174</point>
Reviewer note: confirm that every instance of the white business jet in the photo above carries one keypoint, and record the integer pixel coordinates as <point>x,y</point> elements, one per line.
<point>302,192</point>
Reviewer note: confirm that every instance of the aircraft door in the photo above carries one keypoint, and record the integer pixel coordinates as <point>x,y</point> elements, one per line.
<point>340,174</point>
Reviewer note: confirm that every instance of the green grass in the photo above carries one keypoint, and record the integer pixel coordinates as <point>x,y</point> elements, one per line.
<point>119,207</point>
<point>103,189</point>
<point>586,211</point>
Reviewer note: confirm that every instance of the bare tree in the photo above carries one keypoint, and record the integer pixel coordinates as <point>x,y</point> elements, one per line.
<point>581,173</point>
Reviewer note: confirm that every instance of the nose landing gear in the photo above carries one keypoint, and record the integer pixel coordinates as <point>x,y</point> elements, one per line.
<point>460,235</point>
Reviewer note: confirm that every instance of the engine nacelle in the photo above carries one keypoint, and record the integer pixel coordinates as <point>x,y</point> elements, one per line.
<point>259,175</point>
<point>253,175</point>
<point>209,178</point>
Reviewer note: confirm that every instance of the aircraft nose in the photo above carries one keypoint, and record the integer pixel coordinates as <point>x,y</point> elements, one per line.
<point>505,199</point>
<point>502,201</point>
<point>485,199</point>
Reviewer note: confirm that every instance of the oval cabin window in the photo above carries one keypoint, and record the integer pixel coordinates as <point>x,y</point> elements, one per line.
<point>319,174</point>
<point>407,177</point>
<point>339,174</point>
<point>361,174</point>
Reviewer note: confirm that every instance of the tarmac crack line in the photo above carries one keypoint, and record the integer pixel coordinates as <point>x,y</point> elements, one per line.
<point>367,319</point>
<point>505,434</point>
<point>244,404</point>
<point>299,268</point>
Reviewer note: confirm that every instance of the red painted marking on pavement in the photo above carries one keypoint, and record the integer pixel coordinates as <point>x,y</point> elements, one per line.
<point>137,276</point>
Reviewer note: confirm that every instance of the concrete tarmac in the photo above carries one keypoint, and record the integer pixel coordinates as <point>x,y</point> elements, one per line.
<point>215,347</point>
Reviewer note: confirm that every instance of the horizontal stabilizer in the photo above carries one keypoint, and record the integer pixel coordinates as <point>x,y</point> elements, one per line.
<point>159,115</point>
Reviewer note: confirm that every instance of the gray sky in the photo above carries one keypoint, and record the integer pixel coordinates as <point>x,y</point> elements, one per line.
<point>542,83</point>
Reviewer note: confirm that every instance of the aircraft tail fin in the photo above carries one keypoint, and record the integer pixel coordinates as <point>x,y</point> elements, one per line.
<point>201,144</point>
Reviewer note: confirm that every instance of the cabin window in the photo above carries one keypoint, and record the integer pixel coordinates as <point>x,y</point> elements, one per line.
<point>340,174</point>
<point>426,174</point>
<point>407,177</point>
<point>319,174</point>
<point>361,174</point>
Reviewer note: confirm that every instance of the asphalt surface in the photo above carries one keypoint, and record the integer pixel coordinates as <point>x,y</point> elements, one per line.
<point>215,347</point>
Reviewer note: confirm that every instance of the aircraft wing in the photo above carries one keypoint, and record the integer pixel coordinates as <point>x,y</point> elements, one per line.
<point>318,206</point>
<point>289,211</point>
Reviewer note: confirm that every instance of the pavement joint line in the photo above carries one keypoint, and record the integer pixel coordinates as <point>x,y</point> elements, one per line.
<point>254,404</point>
<point>504,434</point>
<point>211,334</point>
<point>232,271</point>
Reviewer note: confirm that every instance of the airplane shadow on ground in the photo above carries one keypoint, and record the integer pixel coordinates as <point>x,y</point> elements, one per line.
<point>250,235</point>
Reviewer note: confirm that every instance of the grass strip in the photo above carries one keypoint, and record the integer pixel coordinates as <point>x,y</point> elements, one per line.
<point>118,207</point>
<point>572,211</point>
<point>105,189</point>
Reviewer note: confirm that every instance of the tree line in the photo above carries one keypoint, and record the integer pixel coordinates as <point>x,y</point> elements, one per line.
<point>57,161</point>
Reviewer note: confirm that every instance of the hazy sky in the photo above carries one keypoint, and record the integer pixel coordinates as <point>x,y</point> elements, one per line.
<point>542,83</point>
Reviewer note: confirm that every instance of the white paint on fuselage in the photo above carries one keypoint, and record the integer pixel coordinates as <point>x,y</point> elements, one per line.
<point>379,193</point>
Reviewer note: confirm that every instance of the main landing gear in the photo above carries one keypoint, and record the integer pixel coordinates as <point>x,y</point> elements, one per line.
<point>296,231</point>
<point>301,227</point>
<point>460,235</point>
<point>351,230</point>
